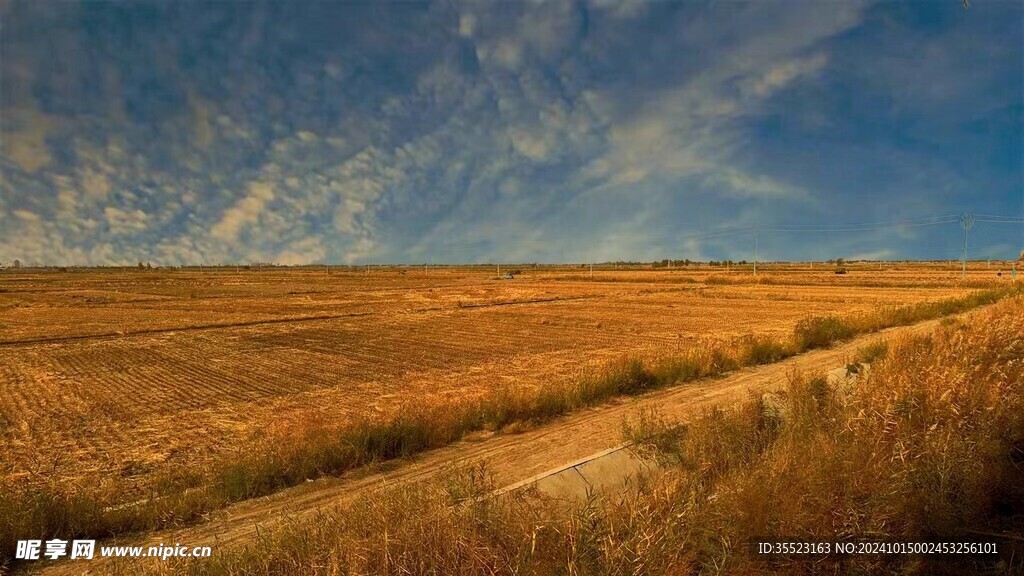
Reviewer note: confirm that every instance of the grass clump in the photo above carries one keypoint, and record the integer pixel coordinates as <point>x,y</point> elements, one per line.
<point>821,332</point>
<point>872,352</point>
<point>756,350</point>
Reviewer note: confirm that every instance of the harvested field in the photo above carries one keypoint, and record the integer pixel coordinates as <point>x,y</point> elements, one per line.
<point>132,374</point>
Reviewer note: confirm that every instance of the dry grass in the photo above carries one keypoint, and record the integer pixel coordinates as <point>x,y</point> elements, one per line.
<point>927,448</point>
<point>311,449</point>
<point>136,375</point>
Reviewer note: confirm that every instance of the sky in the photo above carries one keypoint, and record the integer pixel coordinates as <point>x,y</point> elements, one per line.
<point>514,131</point>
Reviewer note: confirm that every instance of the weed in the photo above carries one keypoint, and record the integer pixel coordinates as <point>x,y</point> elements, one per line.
<point>821,332</point>
<point>763,350</point>
<point>872,352</point>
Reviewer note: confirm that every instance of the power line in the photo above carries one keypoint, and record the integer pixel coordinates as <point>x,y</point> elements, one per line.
<point>1000,221</point>
<point>714,233</point>
<point>894,222</point>
<point>999,216</point>
<point>867,226</point>
<point>859,229</point>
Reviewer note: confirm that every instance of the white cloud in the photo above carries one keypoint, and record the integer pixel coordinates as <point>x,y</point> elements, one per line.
<point>124,221</point>
<point>26,144</point>
<point>246,211</point>
<point>95,184</point>
<point>532,144</point>
<point>781,75</point>
<point>507,52</point>
<point>692,130</point>
<point>620,9</point>
<point>744,185</point>
<point>875,255</point>
<point>307,251</point>
<point>27,215</point>
<point>346,213</point>
<point>359,251</point>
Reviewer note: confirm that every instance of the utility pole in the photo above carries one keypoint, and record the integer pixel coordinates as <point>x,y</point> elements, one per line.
<point>755,250</point>
<point>966,222</point>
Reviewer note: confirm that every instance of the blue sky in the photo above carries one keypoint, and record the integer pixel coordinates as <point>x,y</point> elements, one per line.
<point>515,131</point>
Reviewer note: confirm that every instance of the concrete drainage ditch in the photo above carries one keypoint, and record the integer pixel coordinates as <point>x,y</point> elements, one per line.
<point>611,471</point>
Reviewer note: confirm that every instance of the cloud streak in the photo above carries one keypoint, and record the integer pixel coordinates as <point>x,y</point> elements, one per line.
<point>244,213</point>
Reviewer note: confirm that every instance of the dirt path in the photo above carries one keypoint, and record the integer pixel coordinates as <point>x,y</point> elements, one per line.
<point>510,457</point>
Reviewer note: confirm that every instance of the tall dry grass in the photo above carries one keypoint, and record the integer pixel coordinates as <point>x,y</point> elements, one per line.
<point>928,447</point>
<point>313,450</point>
<point>867,281</point>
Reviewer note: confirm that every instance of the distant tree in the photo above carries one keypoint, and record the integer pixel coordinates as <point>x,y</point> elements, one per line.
<point>840,262</point>
<point>17,263</point>
<point>141,265</point>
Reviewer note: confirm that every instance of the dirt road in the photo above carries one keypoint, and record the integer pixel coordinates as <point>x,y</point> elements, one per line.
<point>510,457</point>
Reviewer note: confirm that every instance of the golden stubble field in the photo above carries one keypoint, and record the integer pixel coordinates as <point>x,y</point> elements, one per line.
<point>131,374</point>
